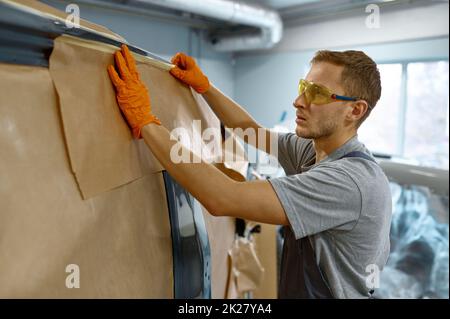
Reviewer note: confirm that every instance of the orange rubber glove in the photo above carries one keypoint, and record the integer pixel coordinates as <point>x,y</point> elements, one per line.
<point>132,94</point>
<point>187,70</point>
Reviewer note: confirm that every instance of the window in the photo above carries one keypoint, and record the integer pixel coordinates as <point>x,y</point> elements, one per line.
<point>426,137</point>
<point>411,119</point>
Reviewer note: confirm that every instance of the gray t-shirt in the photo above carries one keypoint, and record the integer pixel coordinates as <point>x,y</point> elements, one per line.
<point>344,205</point>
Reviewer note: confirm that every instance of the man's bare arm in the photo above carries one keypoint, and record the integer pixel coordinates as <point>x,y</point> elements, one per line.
<point>219,194</point>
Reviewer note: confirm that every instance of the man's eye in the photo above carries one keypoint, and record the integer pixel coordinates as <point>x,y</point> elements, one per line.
<point>322,88</point>
<point>322,93</point>
<point>315,89</point>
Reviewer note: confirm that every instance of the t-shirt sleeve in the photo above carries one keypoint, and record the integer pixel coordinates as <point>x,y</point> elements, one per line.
<point>291,150</point>
<point>324,198</point>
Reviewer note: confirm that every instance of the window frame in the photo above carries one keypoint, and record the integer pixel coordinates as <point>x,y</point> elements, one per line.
<point>403,107</point>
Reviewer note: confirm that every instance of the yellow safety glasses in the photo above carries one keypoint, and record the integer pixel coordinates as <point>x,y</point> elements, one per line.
<point>318,94</point>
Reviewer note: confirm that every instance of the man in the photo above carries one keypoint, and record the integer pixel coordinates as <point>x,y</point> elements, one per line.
<point>335,201</point>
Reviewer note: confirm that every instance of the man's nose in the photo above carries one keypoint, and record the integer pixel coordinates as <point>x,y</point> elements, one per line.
<point>299,102</point>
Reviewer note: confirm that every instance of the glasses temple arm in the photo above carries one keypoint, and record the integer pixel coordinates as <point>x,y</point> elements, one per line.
<point>344,98</point>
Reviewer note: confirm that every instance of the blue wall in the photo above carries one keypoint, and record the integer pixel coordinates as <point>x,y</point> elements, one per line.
<point>162,38</point>
<point>263,83</point>
<point>266,84</point>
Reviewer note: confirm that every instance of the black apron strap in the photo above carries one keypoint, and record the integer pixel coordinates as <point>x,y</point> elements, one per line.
<point>300,276</point>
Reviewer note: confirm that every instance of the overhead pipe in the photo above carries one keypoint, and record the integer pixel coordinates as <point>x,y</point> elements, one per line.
<point>268,21</point>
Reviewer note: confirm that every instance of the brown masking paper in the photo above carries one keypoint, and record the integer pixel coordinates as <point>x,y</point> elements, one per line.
<point>221,232</point>
<point>77,190</point>
<point>102,152</point>
<point>247,272</point>
<point>120,240</point>
<point>266,249</point>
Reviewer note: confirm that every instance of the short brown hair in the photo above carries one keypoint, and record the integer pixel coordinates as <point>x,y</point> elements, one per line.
<point>360,76</point>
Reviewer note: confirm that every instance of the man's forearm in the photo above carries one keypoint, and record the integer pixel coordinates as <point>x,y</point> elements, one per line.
<point>219,194</point>
<point>206,183</point>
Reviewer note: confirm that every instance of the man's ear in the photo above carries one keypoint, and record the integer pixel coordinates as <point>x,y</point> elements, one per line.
<point>360,108</point>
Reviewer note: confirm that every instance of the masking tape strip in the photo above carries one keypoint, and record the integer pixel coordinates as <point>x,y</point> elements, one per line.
<point>108,48</point>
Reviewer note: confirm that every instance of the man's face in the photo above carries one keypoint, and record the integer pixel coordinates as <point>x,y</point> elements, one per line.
<point>316,121</point>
